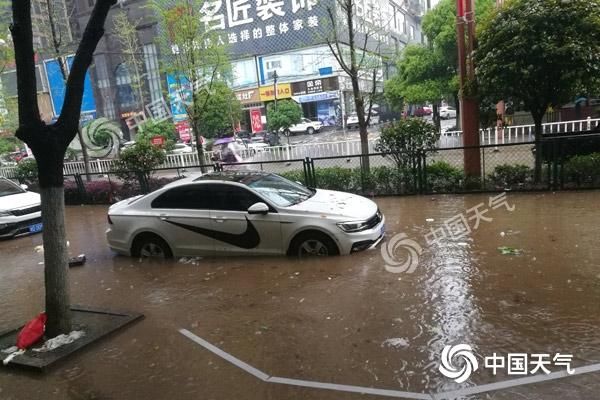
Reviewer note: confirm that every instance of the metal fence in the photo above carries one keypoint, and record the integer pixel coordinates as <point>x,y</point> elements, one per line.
<point>564,162</point>
<point>448,140</point>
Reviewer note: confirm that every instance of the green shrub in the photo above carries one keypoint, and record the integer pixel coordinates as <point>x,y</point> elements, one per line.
<point>507,175</point>
<point>138,161</point>
<point>583,168</point>
<point>336,178</point>
<point>443,177</point>
<point>294,176</point>
<point>26,171</point>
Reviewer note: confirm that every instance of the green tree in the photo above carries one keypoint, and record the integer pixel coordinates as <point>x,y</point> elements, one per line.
<point>219,110</point>
<point>284,115</point>
<point>430,73</point>
<point>406,140</point>
<point>192,56</point>
<point>541,52</point>
<point>153,128</point>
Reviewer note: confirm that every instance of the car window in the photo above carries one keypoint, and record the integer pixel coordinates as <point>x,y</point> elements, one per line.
<point>280,191</point>
<point>232,198</point>
<point>8,188</point>
<point>190,197</point>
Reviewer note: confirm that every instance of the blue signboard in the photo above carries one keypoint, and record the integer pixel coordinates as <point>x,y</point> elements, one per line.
<point>180,93</point>
<point>57,87</point>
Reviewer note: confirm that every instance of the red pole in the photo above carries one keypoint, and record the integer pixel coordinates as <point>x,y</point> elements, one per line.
<point>469,107</point>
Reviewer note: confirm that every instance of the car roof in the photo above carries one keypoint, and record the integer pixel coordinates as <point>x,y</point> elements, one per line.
<point>243,177</point>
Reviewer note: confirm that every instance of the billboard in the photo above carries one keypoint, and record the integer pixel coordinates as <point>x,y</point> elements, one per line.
<point>255,27</point>
<point>56,85</point>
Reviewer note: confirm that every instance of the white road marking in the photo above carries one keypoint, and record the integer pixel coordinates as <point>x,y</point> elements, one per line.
<point>387,392</point>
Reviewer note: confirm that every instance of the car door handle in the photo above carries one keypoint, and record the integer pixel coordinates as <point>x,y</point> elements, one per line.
<point>164,217</point>
<point>219,219</point>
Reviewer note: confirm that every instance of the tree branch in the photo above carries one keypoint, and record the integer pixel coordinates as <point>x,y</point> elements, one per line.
<point>25,62</point>
<point>69,118</point>
<point>337,55</point>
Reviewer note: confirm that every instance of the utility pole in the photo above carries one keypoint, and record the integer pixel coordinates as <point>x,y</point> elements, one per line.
<point>469,107</point>
<point>275,86</point>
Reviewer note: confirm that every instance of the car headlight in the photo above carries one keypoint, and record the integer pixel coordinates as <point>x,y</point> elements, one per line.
<point>352,226</point>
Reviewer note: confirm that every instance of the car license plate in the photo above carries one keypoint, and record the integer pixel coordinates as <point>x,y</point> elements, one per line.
<point>35,228</point>
<point>382,229</point>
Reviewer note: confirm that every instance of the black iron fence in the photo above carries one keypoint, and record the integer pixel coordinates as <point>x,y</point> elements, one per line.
<point>565,162</point>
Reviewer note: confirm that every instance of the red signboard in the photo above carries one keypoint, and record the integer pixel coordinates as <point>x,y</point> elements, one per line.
<point>184,130</point>
<point>157,141</point>
<point>255,120</point>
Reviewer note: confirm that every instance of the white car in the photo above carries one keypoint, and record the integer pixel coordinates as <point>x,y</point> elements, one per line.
<point>20,211</point>
<point>352,121</point>
<point>447,112</point>
<point>243,213</point>
<point>181,148</point>
<point>305,126</point>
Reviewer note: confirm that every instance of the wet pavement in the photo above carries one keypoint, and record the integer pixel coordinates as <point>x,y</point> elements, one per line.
<point>342,320</point>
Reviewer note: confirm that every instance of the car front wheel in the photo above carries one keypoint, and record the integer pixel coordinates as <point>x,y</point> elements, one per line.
<point>287,132</point>
<point>310,130</point>
<point>313,244</point>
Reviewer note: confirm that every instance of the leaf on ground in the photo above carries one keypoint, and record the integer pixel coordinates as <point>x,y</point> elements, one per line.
<point>510,250</point>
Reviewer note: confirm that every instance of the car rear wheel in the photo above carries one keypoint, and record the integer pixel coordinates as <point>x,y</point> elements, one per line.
<point>150,246</point>
<point>310,130</point>
<point>313,244</point>
<point>287,132</point>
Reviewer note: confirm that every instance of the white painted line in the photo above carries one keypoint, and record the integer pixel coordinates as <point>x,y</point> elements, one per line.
<point>387,392</point>
<point>226,356</point>
<point>349,388</point>
<point>516,382</point>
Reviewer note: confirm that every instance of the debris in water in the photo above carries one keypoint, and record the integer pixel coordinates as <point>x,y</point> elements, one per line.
<point>429,219</point>
<point>395,342</point>
<point>509,250</point>
<point>60,341</point>
<point>502,234</point>
<point>77,261</point>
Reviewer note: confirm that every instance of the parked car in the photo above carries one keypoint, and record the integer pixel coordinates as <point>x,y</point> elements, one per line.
<point>422,111</point>
<point>243,213</point>
<point>447,112</point>
<point>352,121</point>
<point>20,211</point>
<point>305,126</point>
<point>181,148</point>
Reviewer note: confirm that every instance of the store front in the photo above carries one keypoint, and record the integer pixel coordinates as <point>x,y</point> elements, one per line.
<point>250,101</point>
<point>319,99</point>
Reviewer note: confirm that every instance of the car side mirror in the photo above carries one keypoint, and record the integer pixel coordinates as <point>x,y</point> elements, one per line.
<point>24,187</point>
<point>258,208</point>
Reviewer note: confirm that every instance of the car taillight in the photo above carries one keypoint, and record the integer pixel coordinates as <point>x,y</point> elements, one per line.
<point>109,220</point>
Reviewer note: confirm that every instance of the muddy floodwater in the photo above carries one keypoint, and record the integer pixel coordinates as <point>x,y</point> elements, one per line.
<point>342,320</point>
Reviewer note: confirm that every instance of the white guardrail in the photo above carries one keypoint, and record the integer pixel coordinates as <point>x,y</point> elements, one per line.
<point>491,136</point>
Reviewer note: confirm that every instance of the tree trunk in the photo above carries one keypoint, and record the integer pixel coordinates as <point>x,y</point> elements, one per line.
<point>537,119</point>
<point>436,116</point>
<point>457,106</point>
<point>199,147</point>
<point>55,261</point>
<point>86,157</point>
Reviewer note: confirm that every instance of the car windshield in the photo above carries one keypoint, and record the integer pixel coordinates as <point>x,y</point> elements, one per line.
<point>8,188</point>
<point>280,191</point>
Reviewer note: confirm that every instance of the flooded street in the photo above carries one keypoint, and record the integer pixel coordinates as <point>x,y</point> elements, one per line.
<point>341,320</point>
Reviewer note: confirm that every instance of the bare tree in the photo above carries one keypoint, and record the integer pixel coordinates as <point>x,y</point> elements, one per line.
<point>60,48</point>
<point>126,33</point>
<point>49,143</point>
<point>355,43</point>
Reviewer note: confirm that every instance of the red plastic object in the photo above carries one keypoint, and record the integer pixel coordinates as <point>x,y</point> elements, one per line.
<point>32,332</point>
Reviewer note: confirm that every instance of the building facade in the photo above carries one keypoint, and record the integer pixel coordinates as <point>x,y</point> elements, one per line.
<point>263,37</point>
